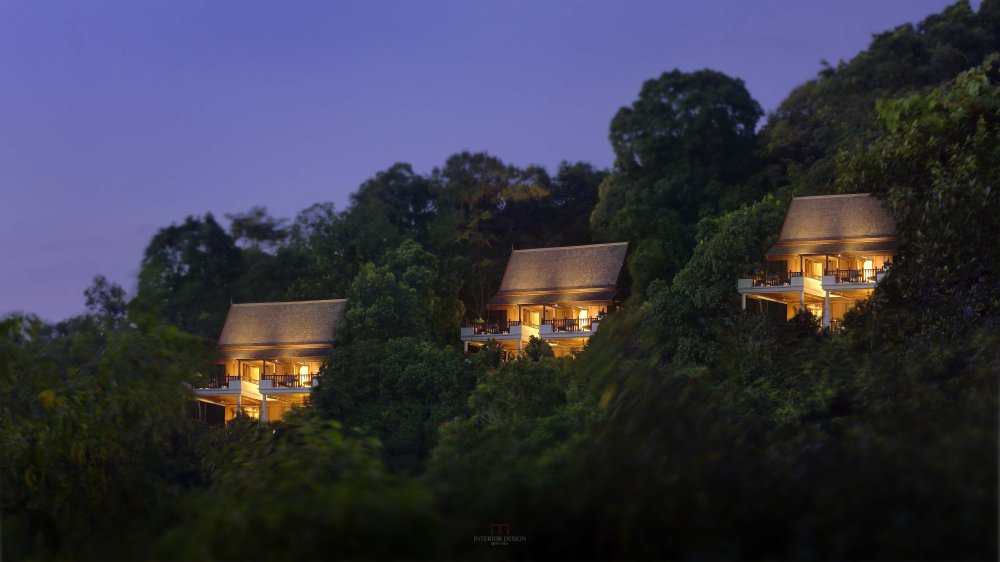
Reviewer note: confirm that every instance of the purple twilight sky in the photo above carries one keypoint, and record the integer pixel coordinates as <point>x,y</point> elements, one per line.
<point>120,117</point>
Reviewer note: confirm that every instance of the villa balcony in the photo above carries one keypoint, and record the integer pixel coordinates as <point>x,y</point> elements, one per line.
<point>222,381</point>
<point>781,283</point>
<point>491,328</point>
<point>568,328</point>
<point>841,279</point>
<point>855,275</point>
<point>776,279</point>
<point>295,383</point>
<point>507,330</point>
<point>228,385</point>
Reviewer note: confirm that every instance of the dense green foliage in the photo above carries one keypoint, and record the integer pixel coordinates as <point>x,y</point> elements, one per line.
<point>398,390</point>
<point>189,274</point>
<point>301,491</point>
<point>681,152</point>
<point>686,429</point>
<point>777,441</point>
<point>507,460</point>
<point>825,115</point>
<point>94,422</point>
<point>936,166</point>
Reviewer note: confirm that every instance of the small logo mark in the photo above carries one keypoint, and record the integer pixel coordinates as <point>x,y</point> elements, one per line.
<point>499,535</point>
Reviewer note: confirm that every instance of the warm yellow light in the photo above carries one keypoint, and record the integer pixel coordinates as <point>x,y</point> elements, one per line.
<point>303,370</point>
<point>816,310</point>
<point>252,412</point>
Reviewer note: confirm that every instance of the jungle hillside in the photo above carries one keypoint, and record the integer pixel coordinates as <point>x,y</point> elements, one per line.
<point>687,429</point>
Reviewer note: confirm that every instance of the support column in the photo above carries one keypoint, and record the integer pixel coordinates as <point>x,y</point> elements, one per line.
<point>263,407</point>
<point>465,346</point>
<point>826,309</point>
<point>520,348</point>
<point>239,402</point>
<point>802,300</point>
<point>743,301</point>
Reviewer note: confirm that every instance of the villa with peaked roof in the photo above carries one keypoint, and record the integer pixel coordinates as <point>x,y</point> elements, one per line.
<point>268,358</point>
<point>556,294</point>
<point>832,251</point>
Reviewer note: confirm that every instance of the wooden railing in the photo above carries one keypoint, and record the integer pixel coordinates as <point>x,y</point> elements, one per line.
<point>772,279</point>
<point>492,328</point>
<point>571,324</point>
<point>777,279</point>
<point>290,381</point>
<point>856,275</point>
<point>221,380</point>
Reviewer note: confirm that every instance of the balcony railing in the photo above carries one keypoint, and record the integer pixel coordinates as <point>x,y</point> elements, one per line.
<point>220,381</point>
<point>492,328</point>
<point>571,324</point>
<point>779,278</point>
<point>290,381</point>
<point>773,279</point>
<point>856,275</point>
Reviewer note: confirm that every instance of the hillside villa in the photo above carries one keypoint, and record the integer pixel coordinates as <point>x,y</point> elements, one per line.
<point>557,294</point>
<point>832,251</point>
<point>830,254</point>
<point>268,358</point>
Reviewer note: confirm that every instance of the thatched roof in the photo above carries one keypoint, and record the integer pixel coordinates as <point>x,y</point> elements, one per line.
<point>836,224</point>
<point>554,297</point>
<point>562,274</point>
<point>303,328</point>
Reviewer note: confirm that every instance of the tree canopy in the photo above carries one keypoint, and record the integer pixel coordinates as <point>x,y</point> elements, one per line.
<point>684,150</point>
<point>686,429</point>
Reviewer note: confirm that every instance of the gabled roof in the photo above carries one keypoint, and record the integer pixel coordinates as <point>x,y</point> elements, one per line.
<point>301,324</point>
<point>836,224</point>
<point>586,272</point>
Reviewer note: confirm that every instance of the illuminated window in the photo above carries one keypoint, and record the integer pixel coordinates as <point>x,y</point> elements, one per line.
<point>303,370</point>
<point>816,310</point>
<point>251,411</point>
